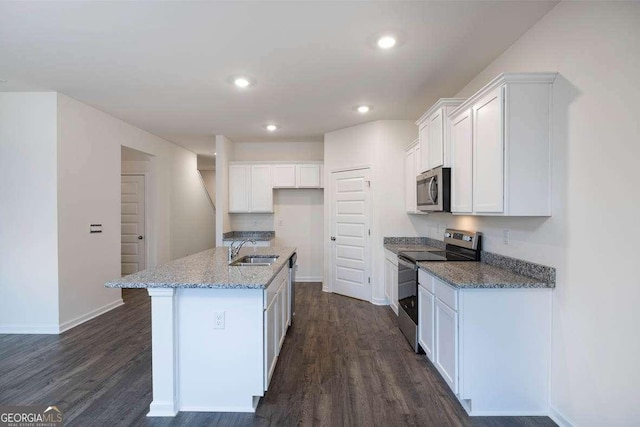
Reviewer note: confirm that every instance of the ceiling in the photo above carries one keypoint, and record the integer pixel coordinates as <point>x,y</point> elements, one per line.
<point>164,66</point>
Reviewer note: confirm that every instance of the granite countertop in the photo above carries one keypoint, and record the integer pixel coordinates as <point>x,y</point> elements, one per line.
<point>403,247</point>
<point>478,275</point>
<point>258,236</point>
<point>209,270</point>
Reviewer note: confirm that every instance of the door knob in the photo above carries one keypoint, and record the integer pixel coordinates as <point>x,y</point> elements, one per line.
<point>140,237</point>
<point>333,238</point>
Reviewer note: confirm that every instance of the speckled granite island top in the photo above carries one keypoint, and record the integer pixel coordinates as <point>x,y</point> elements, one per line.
<point>396,248</point>
<point>475,275</point>
<point>209,270</point>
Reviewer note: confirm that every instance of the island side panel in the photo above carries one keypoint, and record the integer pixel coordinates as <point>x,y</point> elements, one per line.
<point>220,370</point>
<point>163,353</point>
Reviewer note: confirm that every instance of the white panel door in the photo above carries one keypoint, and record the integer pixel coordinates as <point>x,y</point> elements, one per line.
<point>426,324</point>
<point>261,199</point>
<point>488,155</point>
<point>446,344</point>
<point>436,140</point>
<point>132,223</point>
<point>351,251</point>
<point>239,188</point>
<point>284,176</point>
<point>410,180</point>
<point>461,164</point>
<point>309,176</point>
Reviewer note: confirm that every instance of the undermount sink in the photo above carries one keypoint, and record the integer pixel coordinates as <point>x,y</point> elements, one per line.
<point>254,260</point>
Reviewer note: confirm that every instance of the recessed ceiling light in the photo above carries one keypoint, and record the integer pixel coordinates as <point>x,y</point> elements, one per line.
<point>386,42</point>
<point>363,109</point>
<point>215,154</point>
<point>241,81</point>
<point>272,128</point>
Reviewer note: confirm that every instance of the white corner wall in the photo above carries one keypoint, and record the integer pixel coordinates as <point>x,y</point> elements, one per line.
<point>591,238</point>
<point>224,150</point>
<point>180,221</point>
<point>28,213</point>
<point>379,145</point>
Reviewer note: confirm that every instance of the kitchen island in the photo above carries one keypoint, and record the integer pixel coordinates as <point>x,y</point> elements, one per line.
<point>216,329</point>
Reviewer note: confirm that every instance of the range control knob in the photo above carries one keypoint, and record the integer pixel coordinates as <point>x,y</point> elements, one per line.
<point>467,238</point>
<point>447,235</point>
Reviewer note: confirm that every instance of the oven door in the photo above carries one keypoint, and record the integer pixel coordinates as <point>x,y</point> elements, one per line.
<point>408,288</point>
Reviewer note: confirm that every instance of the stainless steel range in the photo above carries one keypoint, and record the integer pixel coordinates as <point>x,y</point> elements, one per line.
<point>459,246</point>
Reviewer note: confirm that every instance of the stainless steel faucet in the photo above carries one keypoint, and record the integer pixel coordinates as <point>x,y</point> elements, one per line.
<point>234,250</point>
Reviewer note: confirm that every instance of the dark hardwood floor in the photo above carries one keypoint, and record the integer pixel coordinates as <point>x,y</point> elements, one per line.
<point>344,363</point>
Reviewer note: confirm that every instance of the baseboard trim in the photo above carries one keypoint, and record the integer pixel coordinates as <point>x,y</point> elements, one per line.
<point>90,315</point>
<point>379,301</point>
<point>559,418</point>
<point>188,408</point>
<point>31,328</point>
<point>508,413</point>
<point>162,409</point>
<point>313,279</point>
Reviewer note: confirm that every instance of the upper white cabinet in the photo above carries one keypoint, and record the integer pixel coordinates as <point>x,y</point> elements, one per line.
<point>510,167</point>
<point>284,176</point>
<point>301,175</point>
<point>432,129</point>
<point>250,188</point>
<point>462,157</point>
<point>309,176</point>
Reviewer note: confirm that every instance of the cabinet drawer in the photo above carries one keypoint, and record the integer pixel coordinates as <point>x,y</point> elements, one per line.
<point>446,293</point>
<point>425,280</point>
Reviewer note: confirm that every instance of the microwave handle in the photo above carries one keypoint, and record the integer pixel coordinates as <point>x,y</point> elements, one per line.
<point>431,181</point>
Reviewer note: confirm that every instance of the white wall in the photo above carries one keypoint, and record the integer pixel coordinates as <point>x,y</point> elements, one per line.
<point>278,151</point>
<point>224,150</point>
<point>89,167</point>
<point>28,213</point>
<point>595,378</point>
<point>380,145</point>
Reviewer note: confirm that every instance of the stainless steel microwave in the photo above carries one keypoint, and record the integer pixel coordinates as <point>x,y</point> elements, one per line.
<point>434,190</point>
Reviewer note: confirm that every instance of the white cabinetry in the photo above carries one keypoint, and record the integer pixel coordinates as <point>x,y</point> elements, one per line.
<point>462,158</point>
<point>284,176</point>
<point>250,188</point>
<point>309,176</point>
<point>391,279</point>
<point>491,346</point>
<point>433,129</point>
<point>511,148</point>
<point>411,167</point>
<point>276,321</point>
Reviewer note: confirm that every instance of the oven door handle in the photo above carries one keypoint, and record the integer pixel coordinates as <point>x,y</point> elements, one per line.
<point>407,263</point>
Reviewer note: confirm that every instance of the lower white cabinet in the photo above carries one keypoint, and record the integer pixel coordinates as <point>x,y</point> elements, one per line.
<point>446,343</point>
<point>276,321</point>
<point>491,346</point>
<point>426,324</point>
<point>391,279</point>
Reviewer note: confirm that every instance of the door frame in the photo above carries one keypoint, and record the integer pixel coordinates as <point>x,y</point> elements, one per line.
<point>329,247</point>
<point>147,204</point>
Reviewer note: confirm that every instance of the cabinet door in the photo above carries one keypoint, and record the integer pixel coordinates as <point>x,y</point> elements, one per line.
<point>488,155</point>
<point>309,176</point>
<point>436,140</point>
<point>418,157</point>
<point>410,180</point>
<point>446,344</point>
<point>387,279</point>
<point>426,313</point>
<point>239,176</point>
<point>270,356</point>
<point>461,164</point>
<point>394,288</point>
<point>261,189</point>
<point>424,147</point>
<point>284,176</point>
<point>282,324</point>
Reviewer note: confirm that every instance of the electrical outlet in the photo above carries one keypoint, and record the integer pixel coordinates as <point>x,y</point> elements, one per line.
<point>218,320</point>
<point>505,236</point>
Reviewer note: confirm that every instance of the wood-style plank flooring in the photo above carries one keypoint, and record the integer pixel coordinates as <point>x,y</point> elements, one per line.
<point>344,363</point>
